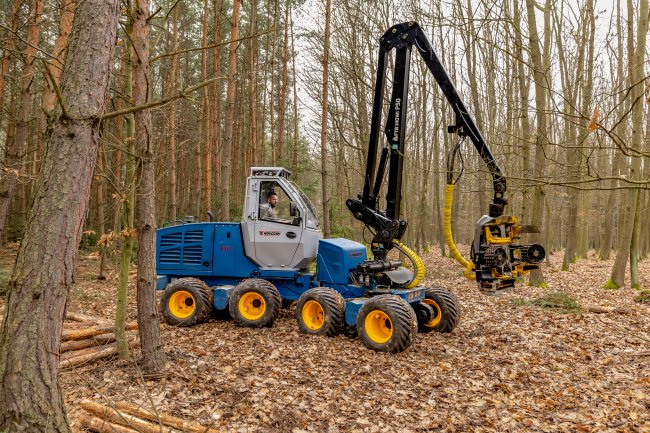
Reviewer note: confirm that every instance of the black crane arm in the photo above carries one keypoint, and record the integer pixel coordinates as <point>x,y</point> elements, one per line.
<point>386,223</point>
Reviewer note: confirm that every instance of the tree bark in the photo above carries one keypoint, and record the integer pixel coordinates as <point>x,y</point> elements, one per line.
<point>38,289</point>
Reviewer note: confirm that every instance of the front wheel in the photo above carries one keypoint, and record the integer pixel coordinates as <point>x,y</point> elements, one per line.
<point>387,323</point>
<point>255,303</point>
<point>186,302</point>
<point>321,311</point>
<point>443,311</point>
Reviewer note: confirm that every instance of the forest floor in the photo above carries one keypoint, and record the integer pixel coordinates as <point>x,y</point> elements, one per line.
<point>510,365</point>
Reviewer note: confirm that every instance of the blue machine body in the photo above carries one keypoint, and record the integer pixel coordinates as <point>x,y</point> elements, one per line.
<point>336,258</point>
<point>214,252</point>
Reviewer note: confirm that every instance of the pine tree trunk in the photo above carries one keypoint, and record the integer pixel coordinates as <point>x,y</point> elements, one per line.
<point>226,152</point>
<point>218,87</point>
<point>252,157</point>
<point>282,103</point>
<point>323,128</point>
<point>35,307</point>
<point>145,206</point>
<point>272,106</point>
<point>16,148</point>
<point>7,58</point>
<point>172,196</point>
<point>58,52</point>
<point>206,148</point>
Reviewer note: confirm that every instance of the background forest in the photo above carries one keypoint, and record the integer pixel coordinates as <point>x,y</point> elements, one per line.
<point>156,110</point>
<point>557,87</point>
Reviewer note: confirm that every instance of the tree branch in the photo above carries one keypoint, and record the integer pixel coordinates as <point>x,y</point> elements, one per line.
<point>153,59</point>
<point>182,94</point>
<point>55,86</point>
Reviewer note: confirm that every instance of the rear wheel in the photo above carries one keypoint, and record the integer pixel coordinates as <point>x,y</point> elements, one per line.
<point>386,323</point>
<point>321,311</point>
<point>255,303</point>
<point>186,302</point>
<point>443,309</point>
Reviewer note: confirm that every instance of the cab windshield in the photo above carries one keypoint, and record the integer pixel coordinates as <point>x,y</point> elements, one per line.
<point>311,219</point>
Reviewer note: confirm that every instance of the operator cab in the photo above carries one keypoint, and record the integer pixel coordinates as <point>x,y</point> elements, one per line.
<point>280,227</point>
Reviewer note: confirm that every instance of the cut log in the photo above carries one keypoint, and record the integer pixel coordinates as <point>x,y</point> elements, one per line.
<point>93,354</point>
<point>617,310</point>
<point>101,426</point>
<point>78,317</point>
<point>93,330</point>
<point>167,420</point>
<point>116,417</point>
<point>97,340</point>
<point>87,351</point>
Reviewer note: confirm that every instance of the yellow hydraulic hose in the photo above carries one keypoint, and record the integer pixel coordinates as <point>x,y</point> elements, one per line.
<point>449,197</point>
<point>417,262</point>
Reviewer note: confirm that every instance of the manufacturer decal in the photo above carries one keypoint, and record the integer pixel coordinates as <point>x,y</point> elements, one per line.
<point>355,254</point>
<point>269,233</point>
<point>398,108</point>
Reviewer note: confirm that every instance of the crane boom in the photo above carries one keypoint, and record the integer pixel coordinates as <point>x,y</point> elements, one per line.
<point>385,223</point>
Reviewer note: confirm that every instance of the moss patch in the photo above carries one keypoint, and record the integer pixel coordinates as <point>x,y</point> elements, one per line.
<point>560,302</point>
<point>643,297</point>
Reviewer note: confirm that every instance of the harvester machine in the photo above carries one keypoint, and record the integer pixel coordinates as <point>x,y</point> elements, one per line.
<point>248,268</point>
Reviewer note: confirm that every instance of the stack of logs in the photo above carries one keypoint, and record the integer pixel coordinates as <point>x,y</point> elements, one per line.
<point>86,339</point>
<point>126,418</point>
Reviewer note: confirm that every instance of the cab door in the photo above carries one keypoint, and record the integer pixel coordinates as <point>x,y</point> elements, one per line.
<point>276,239</point>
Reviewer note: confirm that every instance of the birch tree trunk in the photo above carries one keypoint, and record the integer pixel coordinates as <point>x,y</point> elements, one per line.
<point>35,307</point>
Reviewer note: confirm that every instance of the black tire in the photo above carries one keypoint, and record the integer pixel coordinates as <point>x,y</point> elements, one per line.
<point>446,308</point>
<point>321,311</point>
<point>387,323</point>
<point>255,303</point>
<point>186,302</point>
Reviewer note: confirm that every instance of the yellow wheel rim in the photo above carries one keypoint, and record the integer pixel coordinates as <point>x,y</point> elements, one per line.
<point>182,304</point>
<point>433,322</point>
<point>378,326</point>
<point>252,306</point>
<point>313,315</point>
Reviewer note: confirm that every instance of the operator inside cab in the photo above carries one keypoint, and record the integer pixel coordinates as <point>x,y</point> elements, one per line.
<point>267,210</point>
<point>275,204</point>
